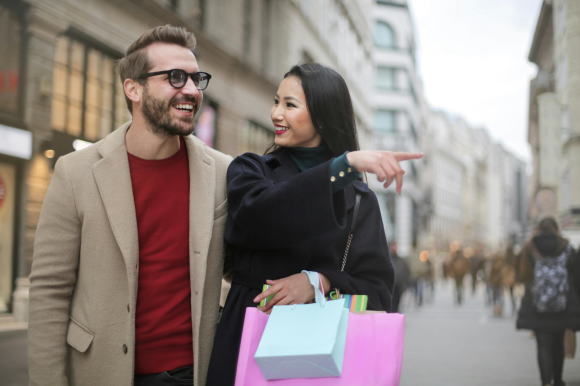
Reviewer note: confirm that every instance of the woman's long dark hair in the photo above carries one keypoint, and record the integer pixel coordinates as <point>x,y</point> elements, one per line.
<point>329,105</point>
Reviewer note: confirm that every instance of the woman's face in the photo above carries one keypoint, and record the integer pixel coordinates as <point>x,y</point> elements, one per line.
<point>291,118</point>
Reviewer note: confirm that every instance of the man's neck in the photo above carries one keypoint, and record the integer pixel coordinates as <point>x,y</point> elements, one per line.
<point>142,142</point>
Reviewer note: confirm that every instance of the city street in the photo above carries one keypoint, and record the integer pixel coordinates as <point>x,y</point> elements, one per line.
<point>13,368</point>
<point>445,345</point>
<point>449,345</point>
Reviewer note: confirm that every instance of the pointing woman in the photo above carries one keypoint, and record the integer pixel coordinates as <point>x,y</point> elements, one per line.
<point>290,210</point>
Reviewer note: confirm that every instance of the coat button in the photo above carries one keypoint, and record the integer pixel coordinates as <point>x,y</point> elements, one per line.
<point>128,308</point>
<point>125,349</point>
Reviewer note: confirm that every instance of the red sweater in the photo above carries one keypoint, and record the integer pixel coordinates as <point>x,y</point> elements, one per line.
<point>163,333</point>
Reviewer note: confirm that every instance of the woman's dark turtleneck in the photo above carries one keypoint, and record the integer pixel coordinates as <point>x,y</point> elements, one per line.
<point>308,157</point>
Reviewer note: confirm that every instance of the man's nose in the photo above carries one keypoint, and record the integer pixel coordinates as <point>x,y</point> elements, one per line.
<point>190,88</point>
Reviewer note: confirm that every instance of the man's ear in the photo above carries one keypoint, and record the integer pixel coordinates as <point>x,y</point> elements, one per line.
<point>133,90</point>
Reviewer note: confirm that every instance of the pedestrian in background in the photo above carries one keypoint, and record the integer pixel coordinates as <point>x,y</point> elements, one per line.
<point>289,210</point>
<point>495,282</point>
<point>549,268</point>
<point>128,254</point>
<point>402,277</point>
<point>458,269</point>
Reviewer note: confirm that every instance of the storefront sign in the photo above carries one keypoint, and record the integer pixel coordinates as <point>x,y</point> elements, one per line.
<point>15,142</point>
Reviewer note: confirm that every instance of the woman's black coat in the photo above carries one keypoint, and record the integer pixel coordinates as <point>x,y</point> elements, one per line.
<point>282,221</point>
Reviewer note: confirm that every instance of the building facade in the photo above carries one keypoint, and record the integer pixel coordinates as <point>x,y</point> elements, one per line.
<point>554,116</point>
<point>397,118</point>
<point>59,87</point>
<point>477,189</point>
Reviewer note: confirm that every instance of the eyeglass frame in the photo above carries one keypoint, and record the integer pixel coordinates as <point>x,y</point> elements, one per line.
<point>189,75</point>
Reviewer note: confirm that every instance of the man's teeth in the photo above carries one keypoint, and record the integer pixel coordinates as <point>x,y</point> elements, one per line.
<point>184,107</point>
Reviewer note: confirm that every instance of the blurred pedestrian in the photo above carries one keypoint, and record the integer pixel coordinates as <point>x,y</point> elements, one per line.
<point>496,264</point>
<point>549,268</point>
<point>476,266</point>
<point>509,276</point>
<point>458,269</point>
<point>402,276</point>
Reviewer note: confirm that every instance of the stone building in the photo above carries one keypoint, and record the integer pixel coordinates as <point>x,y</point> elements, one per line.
<point>59,88</point>
<point>554,116</point>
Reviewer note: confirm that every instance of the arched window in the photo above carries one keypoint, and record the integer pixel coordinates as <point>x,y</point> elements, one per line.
<point>384,35</point>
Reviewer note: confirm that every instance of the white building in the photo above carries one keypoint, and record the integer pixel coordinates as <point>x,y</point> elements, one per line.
<point>477,188</point>
<point>398,121</point>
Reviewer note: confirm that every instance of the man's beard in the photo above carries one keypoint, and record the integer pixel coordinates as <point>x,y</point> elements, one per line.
<point>158,114</point>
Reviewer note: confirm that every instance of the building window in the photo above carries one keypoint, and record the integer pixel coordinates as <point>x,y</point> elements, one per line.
<point>385,121</point>
<point>10,51</point>
<point>87,98</point>
<point>248,12</point>
<point>386,78</point>
<point>255,138</point>
<point>384,35</point>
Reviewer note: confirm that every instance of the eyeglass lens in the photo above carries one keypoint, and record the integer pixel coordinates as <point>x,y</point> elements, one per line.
<point>178,79</point>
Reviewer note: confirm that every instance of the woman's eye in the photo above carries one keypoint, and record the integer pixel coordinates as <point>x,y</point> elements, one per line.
<point>275,101</point>
<point>290,105</point>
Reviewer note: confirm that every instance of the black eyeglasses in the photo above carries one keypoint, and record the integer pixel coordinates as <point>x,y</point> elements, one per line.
<point>178,78</point>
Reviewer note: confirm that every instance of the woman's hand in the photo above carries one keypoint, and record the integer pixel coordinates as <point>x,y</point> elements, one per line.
<point>384,164</point>
<point>294,289</point>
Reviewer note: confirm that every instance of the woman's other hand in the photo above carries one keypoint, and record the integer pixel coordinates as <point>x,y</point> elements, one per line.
<point>384,164</point>
<point>294,289</point>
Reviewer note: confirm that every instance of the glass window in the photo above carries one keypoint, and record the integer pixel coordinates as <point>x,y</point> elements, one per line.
<point>255,138</point>
<point>87,102</point>
<point>10,50</point>
<point>384,35</point>
<point>386,78</point>
<point>385,121</point>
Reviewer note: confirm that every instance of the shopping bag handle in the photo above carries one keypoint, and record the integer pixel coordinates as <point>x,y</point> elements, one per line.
<point>314,279</point>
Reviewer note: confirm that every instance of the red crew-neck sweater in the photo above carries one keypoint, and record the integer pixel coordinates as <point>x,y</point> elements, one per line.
<point>163,333</point>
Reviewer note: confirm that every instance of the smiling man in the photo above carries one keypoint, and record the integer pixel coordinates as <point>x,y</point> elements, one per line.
<point>128,254</point>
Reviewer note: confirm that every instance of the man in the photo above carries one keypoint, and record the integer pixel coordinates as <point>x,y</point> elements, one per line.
<point>128,255</point>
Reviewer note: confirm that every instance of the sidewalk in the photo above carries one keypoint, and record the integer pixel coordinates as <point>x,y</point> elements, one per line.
<point>450,345</point>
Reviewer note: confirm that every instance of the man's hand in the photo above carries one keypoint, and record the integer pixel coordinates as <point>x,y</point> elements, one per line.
<point>384,164</point>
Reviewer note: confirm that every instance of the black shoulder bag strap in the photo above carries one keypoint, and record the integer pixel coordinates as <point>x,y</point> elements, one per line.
<point>351,231</point>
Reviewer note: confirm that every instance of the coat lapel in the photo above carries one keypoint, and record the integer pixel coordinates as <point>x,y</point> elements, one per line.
<point>113,180</point>
<point>201,209</point>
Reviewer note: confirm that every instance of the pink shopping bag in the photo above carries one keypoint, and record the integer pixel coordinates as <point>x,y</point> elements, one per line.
<point>373,353</point>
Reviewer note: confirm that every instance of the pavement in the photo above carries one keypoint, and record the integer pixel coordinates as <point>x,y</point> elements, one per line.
<point>13,366</point>
<point>451,345</point>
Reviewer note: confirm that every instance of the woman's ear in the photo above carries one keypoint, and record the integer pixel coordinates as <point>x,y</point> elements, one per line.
<point>133,90</point>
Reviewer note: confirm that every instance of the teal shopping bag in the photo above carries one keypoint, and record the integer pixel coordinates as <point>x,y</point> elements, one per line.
<point>304,340</point>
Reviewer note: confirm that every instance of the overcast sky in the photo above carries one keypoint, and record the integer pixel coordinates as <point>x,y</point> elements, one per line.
<point>473,61</point>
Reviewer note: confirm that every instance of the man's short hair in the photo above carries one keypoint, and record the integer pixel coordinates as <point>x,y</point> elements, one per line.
<point>135,62</point>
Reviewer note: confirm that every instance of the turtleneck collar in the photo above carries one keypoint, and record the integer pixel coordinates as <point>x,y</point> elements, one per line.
<point>308,157</point>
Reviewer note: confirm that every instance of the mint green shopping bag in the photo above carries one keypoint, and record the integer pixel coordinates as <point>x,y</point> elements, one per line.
<point>304,340</point>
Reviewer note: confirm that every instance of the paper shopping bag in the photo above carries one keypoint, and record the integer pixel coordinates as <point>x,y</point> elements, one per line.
<point>373,352</point>
<point>304,341</point>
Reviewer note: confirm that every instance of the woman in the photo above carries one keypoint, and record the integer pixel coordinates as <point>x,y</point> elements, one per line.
<point>543,310</point>
<point>289,210</point>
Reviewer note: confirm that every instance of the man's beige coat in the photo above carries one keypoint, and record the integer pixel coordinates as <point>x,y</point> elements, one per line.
<point>86,264</point>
